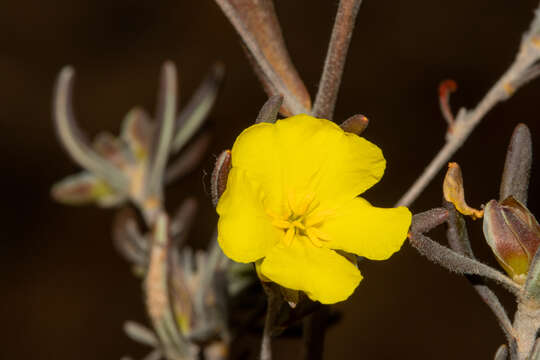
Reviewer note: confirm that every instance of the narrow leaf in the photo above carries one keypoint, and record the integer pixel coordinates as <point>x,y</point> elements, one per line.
<point>517,167</point>
<point>182,220</point>
<point>218,181</point>
<point>427,220</point>
<point>458,263</point>
<point>137,132</point>
<point>502,353</point>
<point>270,110</point>
<point>85,188</point>
<point>334,64</point>
<point>128,239</point>
<point>198,108</point>
<point>258,26</point>
<point>72,138</point>
<point>166,112</point>
<point>113,149</point>
<point>458,239</point>
<point>188,159</point>
<point>532,283</point>
<point>140,333</point>
<point>155,354</point>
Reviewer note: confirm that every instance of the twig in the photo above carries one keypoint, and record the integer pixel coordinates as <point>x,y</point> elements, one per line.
<point>325,101</point>
<point>257,24</point>
<point>466,120</point>
<point>314,332</point>
<point>274,303</point>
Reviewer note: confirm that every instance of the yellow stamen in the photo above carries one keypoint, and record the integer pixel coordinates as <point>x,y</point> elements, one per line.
<point>282,224</point>
<point>319,234</point>
<point>289,236</point>
<point>314,239</point>
<point>301,219</point>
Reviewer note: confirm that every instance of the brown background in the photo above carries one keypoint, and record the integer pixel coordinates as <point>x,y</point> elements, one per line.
<point>65,292</point>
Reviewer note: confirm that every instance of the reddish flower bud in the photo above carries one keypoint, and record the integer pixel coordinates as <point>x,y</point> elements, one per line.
<point>513,234</point>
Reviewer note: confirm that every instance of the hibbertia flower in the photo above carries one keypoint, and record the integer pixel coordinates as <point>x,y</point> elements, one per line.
<point>291,205</point>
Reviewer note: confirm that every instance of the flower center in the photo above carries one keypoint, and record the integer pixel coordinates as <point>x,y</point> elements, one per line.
<point>302,218</point>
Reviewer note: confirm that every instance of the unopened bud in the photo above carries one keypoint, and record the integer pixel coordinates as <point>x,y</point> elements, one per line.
<point>513,234</point>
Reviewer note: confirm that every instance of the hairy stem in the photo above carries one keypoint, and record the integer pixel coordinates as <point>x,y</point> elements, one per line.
<point>314,332</point>
<point>325,101</point>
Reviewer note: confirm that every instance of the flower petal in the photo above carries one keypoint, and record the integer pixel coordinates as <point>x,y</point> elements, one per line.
<point>368,231</point>
<point>302,155</point>
<point>256,152</point>
<point>321,273</point>
<point>245,231</point>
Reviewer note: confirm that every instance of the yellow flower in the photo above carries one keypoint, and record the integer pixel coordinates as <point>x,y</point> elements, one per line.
<point>291,202</point>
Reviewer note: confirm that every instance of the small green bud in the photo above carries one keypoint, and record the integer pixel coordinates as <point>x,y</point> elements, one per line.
<point>513,234</point>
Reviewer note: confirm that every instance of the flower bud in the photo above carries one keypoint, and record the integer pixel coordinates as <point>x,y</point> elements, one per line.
<point>513,234</point>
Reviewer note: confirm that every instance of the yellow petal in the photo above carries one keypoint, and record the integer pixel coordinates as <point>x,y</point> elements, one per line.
<point>321,273</point>
<point>368,231</point>
<point>319,157</point>
<point>301,156</point>
<point>245,231</point>
<point>255,152</point>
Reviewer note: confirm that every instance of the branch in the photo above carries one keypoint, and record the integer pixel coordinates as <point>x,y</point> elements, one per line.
<point>314,331</point>
<point>325,101</point>
<point>257,24</point>
<point>520,71</point>
<point>274,304</point>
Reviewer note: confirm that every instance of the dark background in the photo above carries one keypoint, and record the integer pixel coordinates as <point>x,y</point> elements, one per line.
<point>64,290</point>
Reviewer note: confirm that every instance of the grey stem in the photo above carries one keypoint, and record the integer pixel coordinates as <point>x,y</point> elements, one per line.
<point>458,263</point>
<point>325,101</point>
<point>274,303</point>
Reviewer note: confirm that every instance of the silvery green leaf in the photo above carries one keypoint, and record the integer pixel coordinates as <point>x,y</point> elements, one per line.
<point>197,109</point>
<point>84,188</point>
<point>113,150</point>
<point>72,139</point>
<point>188,159</point>
<point>137,131</point>
<point>161,142</point>
<point>140,333</point>
<point>517,167</point>
<point>270,110</point>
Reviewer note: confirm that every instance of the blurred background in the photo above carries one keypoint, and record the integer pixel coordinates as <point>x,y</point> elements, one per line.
<point>66,292</point>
